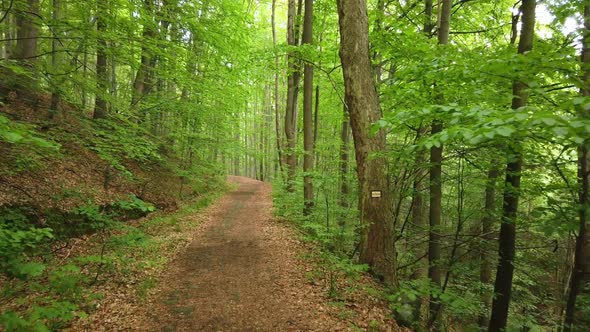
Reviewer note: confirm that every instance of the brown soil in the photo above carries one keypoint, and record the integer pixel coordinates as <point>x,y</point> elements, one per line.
<point>243,272</point>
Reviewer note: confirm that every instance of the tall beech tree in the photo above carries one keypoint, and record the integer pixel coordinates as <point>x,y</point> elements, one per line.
<point>100,103</point>
<point>507,239</point>
<point>377,241</point>
<point>143,81</point>
<point>276,92</point>
<point>293,77</point>
<point>308,127</point>
<point>435,172</point>
<point>27,31</point>
<point>579,282</point>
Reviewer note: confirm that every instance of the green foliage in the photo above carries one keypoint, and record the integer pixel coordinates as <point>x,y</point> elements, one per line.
<point>51,317</point>
<point>16,133</point>
<point>118,140</point>
<point>134,203</point>
<point>18,240</point>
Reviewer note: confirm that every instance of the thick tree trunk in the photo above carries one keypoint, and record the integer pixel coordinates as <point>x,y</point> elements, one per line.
<point>377,238</point>
<point>580,279</point>
<point>507,239</point>
<point>308,112</point>
<point>27,32</point>
<point>293,76</point>
<point>100,105</point>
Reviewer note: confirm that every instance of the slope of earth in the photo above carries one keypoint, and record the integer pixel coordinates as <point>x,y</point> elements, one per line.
<point>82,169</point>
<point>244,272</point>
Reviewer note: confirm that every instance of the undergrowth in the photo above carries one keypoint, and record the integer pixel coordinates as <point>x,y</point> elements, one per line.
<point>55,258</point>
<point>44,292</point>
<point>332,231</point>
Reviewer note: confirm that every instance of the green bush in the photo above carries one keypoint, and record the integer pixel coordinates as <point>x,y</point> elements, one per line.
<point>19,240</point>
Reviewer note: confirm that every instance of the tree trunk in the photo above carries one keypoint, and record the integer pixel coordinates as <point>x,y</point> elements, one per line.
<point>141,85</point>
<point>507,239</point>
<point>276,89</point>
<point>315,122</point>
<point>100,104</point>
<point>419,190</point>
<point>436,158</point>
<point>580,278</point>
<point>428,23</point>
<point>376,214</point>
<point>293,76</point>
<point>419,207</point>
<point>344,156</point>
<point>55,16</point>
<point>308,112</point>
<point>27,32</point>
<point>487,223</point>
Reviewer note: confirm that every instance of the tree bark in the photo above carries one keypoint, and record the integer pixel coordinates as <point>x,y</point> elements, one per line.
<point>55,95</point>
<point>436,158</point>
<point>142,84</point>
<point>580,278</point>
<point>507,239</point>
<point>344,157</point>
<point>308,140</point>
<point>293,76</point>
<point>27,32</point>
<point>376,214</point>
<point>276,89</point>
<point>100,103</point>
<point>419,189</point>
<point>487,223</point>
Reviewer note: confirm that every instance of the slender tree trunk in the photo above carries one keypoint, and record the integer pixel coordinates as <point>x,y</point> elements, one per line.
<point>428,22</point>
<point>55,16</point>
<point>308,139</point>
<point>436,158</point>
<point>141,85</point>
<point>420,189</point>
<point>419,208</point>
<point>344,157</point>
<point>276,89</point>
<point>377,247</point>
<point>315,121</point>
<point>487,223</point>
<point>507,239</point>
<point>100,104</point>
<point>580,278</point>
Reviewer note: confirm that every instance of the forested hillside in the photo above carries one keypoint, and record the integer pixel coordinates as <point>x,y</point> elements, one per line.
<point>441,147</point>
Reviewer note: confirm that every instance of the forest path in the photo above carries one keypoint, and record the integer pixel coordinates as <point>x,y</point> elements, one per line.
<point>240,273</point>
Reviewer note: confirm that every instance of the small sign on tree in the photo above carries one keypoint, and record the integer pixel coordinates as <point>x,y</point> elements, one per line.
<point>375,193</point>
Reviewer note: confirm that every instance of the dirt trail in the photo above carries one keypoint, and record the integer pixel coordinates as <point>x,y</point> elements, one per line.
<point>241,273</point>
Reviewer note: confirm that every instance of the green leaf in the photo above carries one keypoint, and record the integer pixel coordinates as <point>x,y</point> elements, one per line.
<point>31,269</point>
<point>11,136</point>
<point>560,131</point>
<point>505,131</point>
<point>579,100</point>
